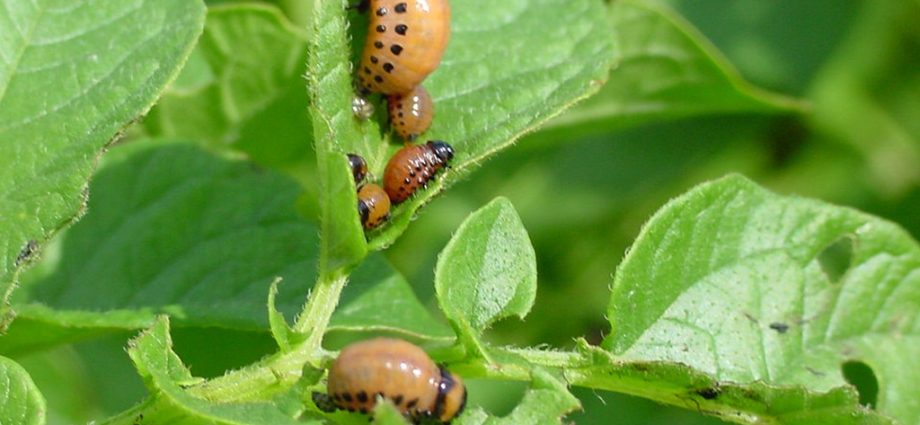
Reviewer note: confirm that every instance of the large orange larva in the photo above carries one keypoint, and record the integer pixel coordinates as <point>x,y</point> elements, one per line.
<point>405,42</point>
<point>395,370</point>
<point>411,113</point>
<point>413,166</point>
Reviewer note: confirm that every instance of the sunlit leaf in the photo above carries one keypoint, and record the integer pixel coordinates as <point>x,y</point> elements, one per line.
<point>749,286</point>
<point>487,271</point>
<point>71,76</point>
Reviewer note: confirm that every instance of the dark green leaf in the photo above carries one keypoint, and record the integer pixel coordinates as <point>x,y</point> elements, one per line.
<point>665,69</point>
<point>71,76</point>
<point>545,403</point>
<point>174,230</point>
<point>378,298</point>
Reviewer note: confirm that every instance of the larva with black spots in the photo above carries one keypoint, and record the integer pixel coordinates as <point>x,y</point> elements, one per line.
<point>413,166</point>
<point>396,370</point>
<point>411,113</point>
<point>373,206</point>
<point>405,42</point>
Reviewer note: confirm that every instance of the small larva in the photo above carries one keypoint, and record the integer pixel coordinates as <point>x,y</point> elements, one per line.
<point>373,206</point>
<point>413,167</point>
<point>411,113</point>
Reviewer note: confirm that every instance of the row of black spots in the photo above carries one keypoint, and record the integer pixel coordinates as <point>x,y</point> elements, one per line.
<point>399,8</point>
<point>400,29</point>
<point>378,78</point>
<point>400,115</point>
<point>363,397</point>
<point>395,48</point>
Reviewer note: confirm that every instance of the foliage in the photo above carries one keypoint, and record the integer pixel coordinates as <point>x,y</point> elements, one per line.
<point>218,239</point>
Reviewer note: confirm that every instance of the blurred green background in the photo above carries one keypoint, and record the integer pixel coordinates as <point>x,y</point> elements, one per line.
<point>583,200</point>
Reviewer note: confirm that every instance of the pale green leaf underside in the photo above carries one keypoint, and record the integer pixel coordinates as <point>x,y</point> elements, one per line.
<point>664,69</point>
<point>488,270</point>
<point>336,132</point>
<point>680,385</point>
<point>749,286</point>
<point>20,401</point>
<point>71,75</point>
<point>174,230</point>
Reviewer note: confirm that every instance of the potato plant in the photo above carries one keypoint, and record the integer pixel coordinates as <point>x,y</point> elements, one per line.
<point>631,231</point>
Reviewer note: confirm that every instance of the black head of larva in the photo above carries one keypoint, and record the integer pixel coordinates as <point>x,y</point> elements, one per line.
<point>364,211</point>
<point>358,167</point>
<point>451,399</point>
<point>442,150</point>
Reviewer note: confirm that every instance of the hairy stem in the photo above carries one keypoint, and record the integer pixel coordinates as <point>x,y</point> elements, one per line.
<point>277,373</point>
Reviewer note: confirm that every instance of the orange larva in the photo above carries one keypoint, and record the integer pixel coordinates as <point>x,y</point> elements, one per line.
<point>373,206</point>
<point>395,370</point>
<point>411,113</point>
<point>405,42</point>
<point>414,166</point>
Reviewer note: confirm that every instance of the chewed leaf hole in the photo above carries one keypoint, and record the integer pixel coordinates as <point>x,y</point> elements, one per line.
<point>861,376</point>
<point>835,258</point>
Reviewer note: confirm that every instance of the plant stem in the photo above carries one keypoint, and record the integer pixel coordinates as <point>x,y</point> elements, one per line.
<point>276,373</point>
<point>314,319</point>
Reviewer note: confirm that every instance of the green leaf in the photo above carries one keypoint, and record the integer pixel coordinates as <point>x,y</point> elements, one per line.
<point>681,385</point>
<point>175,230</point>
<point>165,376</point>
<point>71,76</point>
<point>665,69</point>
<point>748,286</point>
<point>284,336</point>
<point>379,299</point>
<point>509,67</point>
<point>860,103</point>
<point>545,402</point>
<point>488,270</point>
<point>21,403</point>
<point>336,132</point>
<point>387,414</point>
<point>245,88</point>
